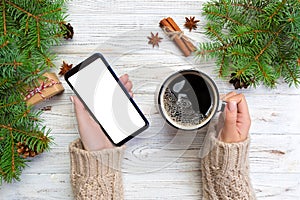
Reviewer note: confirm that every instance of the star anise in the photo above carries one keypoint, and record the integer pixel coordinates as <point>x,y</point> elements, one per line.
<point>154,39</point>
<point>191,23</point>
<point>69,31</point>
<point>64,68</point>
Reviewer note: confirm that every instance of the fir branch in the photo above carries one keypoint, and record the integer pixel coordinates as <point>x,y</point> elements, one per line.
<point>267,78</point>
<point>225,17</point>
<point>202,51</point>
<point>4,17</point>
<point>38,19</point>
<point>4,44</point>
<point>27,23</point>
<point>293,74</point>
<point>261,36</point>
<point>221,70</point>
<point>207,50</point>
<point>2,174</point>
<point>13,166</point>
<point>294,37</point>
<point>8,105</point>
<point>264,49</point>
<point>28,29</point>
<point>268,44</point>
<point>253,31</point>
<point>38,33</point>
<point>240,54</point>
<point>19,8</point>
<point>241,71</point>
<point>247,7</point>
<point>278,9</point>
<point>3,82</point>
<point>219,12</point>
<point>50,12</point>
<point>15,64</point>
<point>211,30</point>
<point>31,134</point>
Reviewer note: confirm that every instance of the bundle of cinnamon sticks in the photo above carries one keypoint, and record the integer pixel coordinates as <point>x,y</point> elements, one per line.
<point>172,29</point>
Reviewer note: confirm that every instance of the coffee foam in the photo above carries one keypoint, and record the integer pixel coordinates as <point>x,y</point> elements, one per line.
<point>178,109</point>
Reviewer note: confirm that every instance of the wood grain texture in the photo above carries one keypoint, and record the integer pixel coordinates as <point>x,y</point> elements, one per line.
<point>161,163</point>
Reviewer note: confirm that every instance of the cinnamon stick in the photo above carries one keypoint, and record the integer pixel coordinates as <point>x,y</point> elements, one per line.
<point>178,41</point>
<point>189,45</point>
<point>173,24</point>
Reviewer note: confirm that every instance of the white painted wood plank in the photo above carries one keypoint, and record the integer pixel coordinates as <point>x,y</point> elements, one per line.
<point>268,112</point>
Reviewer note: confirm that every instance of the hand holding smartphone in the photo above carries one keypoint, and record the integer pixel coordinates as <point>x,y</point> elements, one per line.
<point>106,99</point>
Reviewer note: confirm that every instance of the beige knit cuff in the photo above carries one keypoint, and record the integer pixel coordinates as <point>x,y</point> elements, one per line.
<point>229,156</point>
<point>94,163</point>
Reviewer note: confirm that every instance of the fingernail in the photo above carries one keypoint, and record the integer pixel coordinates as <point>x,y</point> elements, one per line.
<point>72,99</point>
<point>232,106</point>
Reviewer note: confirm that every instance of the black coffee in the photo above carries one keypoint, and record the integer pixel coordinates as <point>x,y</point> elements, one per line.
<point>187,99</point>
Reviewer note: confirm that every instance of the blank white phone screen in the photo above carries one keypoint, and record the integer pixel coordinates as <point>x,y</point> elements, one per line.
<point>107,101</point>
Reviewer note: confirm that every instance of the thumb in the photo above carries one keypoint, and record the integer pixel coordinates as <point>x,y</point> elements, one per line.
<point>229,129</point>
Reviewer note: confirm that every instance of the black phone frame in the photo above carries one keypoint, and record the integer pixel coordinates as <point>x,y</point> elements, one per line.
<point>86,63</point>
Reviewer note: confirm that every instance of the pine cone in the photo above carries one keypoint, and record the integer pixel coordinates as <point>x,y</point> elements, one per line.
<point>238,83</point>
<point>25,151</point>
<point>69,31</point>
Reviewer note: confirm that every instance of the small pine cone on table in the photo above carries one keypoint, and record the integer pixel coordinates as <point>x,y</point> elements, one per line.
<point>24,150</point>
<point>239,83</point>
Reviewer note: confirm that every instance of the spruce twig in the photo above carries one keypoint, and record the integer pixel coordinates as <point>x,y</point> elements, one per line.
<point>27,31</point>
<point>254,39</point>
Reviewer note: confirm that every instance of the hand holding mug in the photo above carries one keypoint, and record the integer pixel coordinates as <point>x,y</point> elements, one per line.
<point>237,119</point>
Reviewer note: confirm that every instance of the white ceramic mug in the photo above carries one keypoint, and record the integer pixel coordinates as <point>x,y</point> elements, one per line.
<point>187,99</point>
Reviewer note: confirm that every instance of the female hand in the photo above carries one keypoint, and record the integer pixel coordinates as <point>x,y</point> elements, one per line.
<point>91,134</point>
<point>237,119</point>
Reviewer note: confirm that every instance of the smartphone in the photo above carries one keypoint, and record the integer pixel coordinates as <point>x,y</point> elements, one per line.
<point>106,99</point>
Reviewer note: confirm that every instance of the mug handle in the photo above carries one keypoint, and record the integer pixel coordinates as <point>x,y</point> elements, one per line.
<point>222,106</point>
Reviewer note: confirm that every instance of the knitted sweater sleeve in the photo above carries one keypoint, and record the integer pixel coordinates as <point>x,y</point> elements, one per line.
<point>96,174</point>
<point>225,171</point>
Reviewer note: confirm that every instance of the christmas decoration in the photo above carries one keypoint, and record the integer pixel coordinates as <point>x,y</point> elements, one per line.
<point>191,23</point>
<point>46,108</point>
<point>256,41</point>
<point>174,32</point>
<point>69,31</point>
<point>25,151</point>
<point>44,89</point>
<point>64,68</point>
<point>239,83</point>
<point>154,39</point>
<point>27,31</point>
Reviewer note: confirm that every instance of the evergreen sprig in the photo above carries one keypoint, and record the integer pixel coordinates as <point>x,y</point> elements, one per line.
<point>27,30</point>
<point>254,41</point>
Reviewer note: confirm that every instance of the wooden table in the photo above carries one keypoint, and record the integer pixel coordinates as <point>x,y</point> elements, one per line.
<point>162,163</point>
